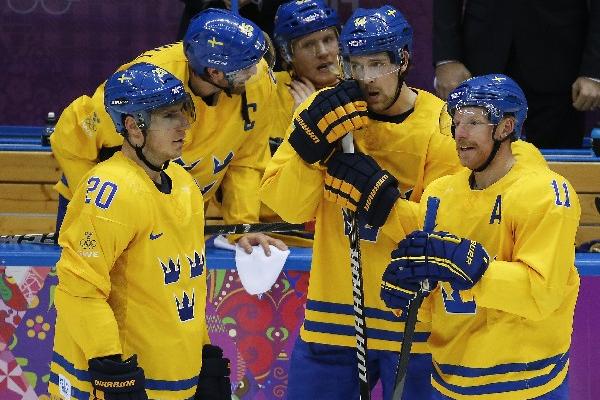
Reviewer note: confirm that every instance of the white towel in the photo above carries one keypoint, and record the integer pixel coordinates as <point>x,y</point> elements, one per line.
<point>221,242</point>
<point>257,271</point>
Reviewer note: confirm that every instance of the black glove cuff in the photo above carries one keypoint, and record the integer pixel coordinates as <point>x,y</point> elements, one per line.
<point>374,188</point>
<point>116,376</point>
<point>216,367</point>
<point>310,145</point>
<point>383,203</point>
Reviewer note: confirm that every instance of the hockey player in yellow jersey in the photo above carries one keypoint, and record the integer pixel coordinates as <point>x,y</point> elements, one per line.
<point>306,36</point>
<point>502,255</point>
<point>408,131</point>
<point>220,63</point>
<point>132,275</point>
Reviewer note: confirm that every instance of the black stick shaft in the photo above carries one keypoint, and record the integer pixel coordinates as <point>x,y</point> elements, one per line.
<point>49,238</point>
<point>413,309</point>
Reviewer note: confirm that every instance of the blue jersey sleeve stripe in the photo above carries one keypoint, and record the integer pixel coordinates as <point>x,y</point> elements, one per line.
<point>346,330</point>
<point>470,372</point>
<point>501,387</point>
<point>75,393</point>
<point>82,375</point>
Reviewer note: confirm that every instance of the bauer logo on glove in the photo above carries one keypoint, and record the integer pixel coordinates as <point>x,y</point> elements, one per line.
<point>438,256</point>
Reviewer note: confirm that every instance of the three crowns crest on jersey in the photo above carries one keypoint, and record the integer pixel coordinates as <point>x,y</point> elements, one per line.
<point>172,268</point>
<point>185,306</point>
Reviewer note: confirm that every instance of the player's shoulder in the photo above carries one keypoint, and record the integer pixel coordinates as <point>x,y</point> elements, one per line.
<point>452,182</point>
<point>535,186</point>
<point>528,153</point>
<point>262,85</point>
<point>428,102</point>
<point>179,174</point>
<point>122,172</point>
<point>170,57</point>
<point>283,79</point>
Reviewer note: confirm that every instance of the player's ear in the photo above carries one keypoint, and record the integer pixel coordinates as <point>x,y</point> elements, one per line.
<point>405,60</point>
<point>133,130</point>
<point>507,125</point>
<point>214,73</point>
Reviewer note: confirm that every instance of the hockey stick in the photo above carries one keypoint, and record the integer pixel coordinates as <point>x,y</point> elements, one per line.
<point>413,309</point>
<point>360,323</point>
<point>275,227</point>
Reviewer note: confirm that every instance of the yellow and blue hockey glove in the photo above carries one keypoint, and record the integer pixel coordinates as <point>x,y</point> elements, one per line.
<point>213,382</point>
<point>437,256</point>
<point>399,295</point>
<point>113,379</point>
<point>330,116</point>
<point>356,182</point>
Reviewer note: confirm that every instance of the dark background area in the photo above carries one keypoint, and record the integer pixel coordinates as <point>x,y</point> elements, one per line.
<point>52,51</point>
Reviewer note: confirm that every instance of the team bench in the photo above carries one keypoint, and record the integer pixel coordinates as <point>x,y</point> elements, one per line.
<point>28,171</point>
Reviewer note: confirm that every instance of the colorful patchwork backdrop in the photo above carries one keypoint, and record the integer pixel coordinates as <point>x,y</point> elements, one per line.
<point>257,334</point>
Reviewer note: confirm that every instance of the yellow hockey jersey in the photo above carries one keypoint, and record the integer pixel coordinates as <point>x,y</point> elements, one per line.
<point>417,151</point>
<point>227,146</point>
<point>283,113</point>
<point>132,280</point>
<point>508,337</point>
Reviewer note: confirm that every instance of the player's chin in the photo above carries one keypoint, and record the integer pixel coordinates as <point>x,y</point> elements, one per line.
<point>176,149</point>
<point>238,89</point>
<point>469,160</point>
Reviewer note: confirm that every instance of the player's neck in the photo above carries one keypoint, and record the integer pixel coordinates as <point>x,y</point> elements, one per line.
<point>202,88</point>
<point>405,102</point>
<point>498,168</point>
<point>129,152</point>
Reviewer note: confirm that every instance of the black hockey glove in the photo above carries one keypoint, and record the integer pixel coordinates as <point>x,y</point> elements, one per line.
<point>438,256</point>
<point>213,382</point>
<point>113,379</point>
<point>356,182</point>
<point>330,116</point>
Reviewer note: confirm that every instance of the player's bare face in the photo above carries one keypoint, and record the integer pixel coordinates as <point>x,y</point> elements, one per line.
<point>315,57</point>
<point>473,135</point>
<point>378,79</point>
<point>167,132</point>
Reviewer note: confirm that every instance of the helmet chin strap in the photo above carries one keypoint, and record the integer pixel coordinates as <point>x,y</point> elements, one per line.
<point>493,152</point>
<point>226,89</point>
<point>140,154</point>
<point>401,76</point>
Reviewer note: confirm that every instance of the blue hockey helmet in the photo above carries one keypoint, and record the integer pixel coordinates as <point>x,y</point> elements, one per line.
<point>497,93</point>
<point>376,30</point>
<point>299,18</point>
<point>223,40</point>
<point>138,90</point>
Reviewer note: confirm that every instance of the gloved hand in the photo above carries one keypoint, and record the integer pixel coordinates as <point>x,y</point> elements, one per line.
<point>330,116</point>
<point>356,182</point>
<point>438,256</point>
<point>113,379</point>
<point>398,296</point>
<point>213,382</point>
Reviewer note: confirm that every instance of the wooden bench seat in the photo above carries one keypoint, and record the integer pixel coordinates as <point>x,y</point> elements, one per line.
<point>585,178</point>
